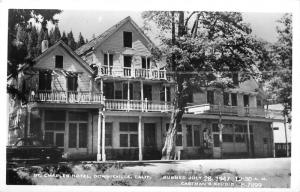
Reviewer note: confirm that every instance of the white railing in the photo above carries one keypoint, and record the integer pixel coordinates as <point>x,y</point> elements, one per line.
<point>137,105</point>
<point>65,97</point>
<point>234,110</point>
<point>132,72</point>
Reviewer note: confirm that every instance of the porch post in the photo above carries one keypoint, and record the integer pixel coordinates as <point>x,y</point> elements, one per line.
<point>128,95</point>
<point>142,95</point>
<point>249,141</point>
<point>166,97</point>
<point>43,123</point>
<point>273,143</point>
<point>103,139</point>
<point>28,121</point>
<point>140,138</point>
<point>99,135</point>
<point>108,71</point>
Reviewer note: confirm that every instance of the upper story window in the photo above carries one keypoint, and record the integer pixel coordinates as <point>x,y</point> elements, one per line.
<point>258,102</point>
<point>72,83</point>
<point>246,100</point>
<point>147,91</point>
<point>145,63</point>
<point>125,91</point>
<point>235,79</point>
<point>162,94</point>
<point>233,99</point>
<point>210,97</point>
<point>190,98</point>
<point>127,60</point>
<point>59,61</point>
<point>127,39</point>
<point>226,98</point>
<point>109,61</point>
<point>45,80</point>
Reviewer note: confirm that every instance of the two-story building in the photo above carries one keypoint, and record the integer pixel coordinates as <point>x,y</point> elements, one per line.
<point>109,99</point>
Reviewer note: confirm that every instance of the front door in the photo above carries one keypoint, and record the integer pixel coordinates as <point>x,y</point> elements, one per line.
<point>216,141</point>
<point>78,137</point>
<point>150,151</point>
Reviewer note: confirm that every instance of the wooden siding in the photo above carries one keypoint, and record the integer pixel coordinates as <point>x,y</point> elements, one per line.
<point>69,64</point>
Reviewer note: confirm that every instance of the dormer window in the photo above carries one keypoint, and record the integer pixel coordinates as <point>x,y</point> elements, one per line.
<point>127,39</point>
<point>59,61</point>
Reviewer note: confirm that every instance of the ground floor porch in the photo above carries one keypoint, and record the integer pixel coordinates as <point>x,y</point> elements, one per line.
<point>90,133</point>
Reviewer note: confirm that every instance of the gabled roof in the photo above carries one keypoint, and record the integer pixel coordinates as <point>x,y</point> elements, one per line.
<point>70,51</point>
<point>101,38</point>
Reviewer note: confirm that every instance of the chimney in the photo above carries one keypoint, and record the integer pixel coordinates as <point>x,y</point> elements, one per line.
<point>44,45</point>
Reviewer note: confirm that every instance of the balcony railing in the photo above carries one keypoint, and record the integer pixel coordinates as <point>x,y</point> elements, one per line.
<point>137,105</point>
<point>131,72</point>
<point>234,110</point>
<point>65,97</point>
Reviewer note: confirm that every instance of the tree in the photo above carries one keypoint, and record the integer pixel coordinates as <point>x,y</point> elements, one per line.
<point>18,19</point>
<point>202,49</point>
<point>80,40</point>
<point>32,51</point>
<point>71,41</point>
<point>280,83</point>
<point>64,38</point>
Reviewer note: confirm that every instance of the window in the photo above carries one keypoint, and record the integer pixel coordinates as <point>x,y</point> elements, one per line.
<point>146,65</point>
<point>193,135</point>
<point>246,100</point>
<point>55,115</point>
<point>72,83</point>
<point>190,98</point>
<point>226,98</point>
<point>233,99</point>
<point>162,94</point>
<point>210,97</point>
<point>108,90</point>
<point>179,136</point>
<point>125,91</point>
<point>235,78</point>
<point>189,135</point>
<point>111,59</point>
<point>59,61</point>
<point>275,128</point>
<point>147,91</point>
<point>108,134</point>
<point>127,61</point>
<point>227,138</point>
<point>128,135</point>
<point>127,39</point>
<point>167,126</point>
<point>45,80</point>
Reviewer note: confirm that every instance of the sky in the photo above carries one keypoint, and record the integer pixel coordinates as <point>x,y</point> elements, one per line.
<point>93,22</point>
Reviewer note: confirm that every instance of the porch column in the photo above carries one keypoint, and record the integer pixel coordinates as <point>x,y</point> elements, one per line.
<point>27,134</point>
<point>273,143</point>
<point>249,141</point>
<point>103,139</point>
<point>142,95</point>
<point>108,71</point>
<point>166,97</point>
<point>43,123</point>
<point>99,136</point>
<point>140,138</point>
<point>128,95</point>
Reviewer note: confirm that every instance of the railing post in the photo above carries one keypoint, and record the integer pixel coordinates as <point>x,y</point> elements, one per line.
<point>146,104</point>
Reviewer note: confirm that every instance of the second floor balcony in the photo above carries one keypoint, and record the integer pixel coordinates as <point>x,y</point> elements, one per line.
<point>131,72</point>
<point>72,97</point>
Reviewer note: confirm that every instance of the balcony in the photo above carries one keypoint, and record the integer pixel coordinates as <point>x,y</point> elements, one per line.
<point>65,97</point>
<point>232,110</point>
<point>137,105</point>
<point>131,72</point>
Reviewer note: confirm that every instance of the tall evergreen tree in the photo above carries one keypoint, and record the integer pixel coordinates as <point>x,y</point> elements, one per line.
<point>51,37</point>
<point>71,41</point>
<point>80,40</point>
<point>32,43</point>
<point>64,38</point>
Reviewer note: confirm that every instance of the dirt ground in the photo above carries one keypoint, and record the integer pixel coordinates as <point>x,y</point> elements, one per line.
<point>242,173</point>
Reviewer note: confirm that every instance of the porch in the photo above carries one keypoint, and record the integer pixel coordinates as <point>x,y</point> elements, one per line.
<point>131,72</point>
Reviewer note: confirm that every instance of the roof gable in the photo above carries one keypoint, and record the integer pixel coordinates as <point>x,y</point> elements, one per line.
<point>105,35</point>
<point>69,51</point>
